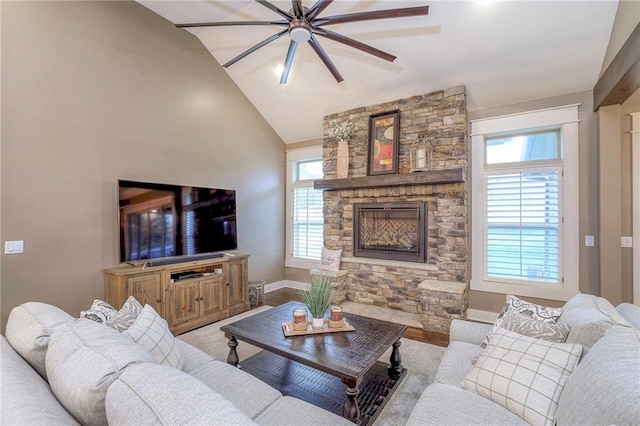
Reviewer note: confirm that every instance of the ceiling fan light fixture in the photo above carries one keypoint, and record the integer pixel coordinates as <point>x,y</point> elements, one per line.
<point>300,34</point>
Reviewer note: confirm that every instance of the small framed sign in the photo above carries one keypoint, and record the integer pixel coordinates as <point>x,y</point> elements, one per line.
<point>384,133</point>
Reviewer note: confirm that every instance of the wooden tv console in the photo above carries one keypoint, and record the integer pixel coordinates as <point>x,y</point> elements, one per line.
<point>219,292</point>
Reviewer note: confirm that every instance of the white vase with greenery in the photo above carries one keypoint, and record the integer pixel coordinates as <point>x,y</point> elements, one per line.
<point>318,299</point>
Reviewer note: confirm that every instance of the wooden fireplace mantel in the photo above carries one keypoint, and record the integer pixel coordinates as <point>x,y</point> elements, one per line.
<point>430,177</point>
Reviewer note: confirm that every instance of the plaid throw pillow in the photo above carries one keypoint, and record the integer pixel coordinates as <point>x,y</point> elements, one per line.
<point>151,332</point>
<point>523,374</point>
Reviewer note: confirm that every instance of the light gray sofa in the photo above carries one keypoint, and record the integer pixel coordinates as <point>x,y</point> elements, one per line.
<point>604,388</point>
<point>59,370</point>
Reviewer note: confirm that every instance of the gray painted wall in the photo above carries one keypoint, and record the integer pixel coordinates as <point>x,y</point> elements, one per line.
<point>93,92</point>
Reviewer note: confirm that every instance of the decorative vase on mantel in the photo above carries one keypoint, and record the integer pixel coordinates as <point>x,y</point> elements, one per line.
<point>342,160</point>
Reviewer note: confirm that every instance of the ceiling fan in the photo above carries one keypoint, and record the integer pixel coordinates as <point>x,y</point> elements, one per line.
<point>303,24</point>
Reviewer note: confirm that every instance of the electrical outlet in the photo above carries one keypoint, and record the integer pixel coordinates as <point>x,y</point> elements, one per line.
<point>589,240</point>
<point>626,242</point>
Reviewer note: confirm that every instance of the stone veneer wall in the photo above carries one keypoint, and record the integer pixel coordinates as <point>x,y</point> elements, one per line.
<point>440,118</point>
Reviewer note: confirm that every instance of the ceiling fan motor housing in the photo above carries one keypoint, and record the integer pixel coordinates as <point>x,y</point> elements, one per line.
<point>300,30</point>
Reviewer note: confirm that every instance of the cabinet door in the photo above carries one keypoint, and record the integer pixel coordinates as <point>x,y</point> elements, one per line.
<point>183,302</point>
<point>237,286</point>
<point>211,296</point>
<point>147,289</point>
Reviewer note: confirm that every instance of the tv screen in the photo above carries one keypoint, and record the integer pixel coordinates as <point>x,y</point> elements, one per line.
<point>160,220</point>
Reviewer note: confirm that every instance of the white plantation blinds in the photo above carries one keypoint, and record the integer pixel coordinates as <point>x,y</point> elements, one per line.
<point>307,223</point>
<point>525,205</point>
<point>305,218</point>
<point>522,236</point>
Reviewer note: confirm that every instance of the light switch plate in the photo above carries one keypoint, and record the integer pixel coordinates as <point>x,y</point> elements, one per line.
<point>589,240</point>
<point>626,242</point>
<point>14,247</point>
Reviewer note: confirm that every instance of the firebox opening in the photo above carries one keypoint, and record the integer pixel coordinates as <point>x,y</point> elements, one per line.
<point>392,231</point>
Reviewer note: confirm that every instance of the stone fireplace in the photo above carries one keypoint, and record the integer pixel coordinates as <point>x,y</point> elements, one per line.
<point>391,231</point>
<point>374,269</point>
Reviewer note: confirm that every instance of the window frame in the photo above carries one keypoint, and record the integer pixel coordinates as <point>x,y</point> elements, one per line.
<point>566,120</point>
<point>294,157</point>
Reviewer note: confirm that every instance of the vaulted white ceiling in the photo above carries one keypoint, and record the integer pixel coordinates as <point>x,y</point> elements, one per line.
<point>504,52</point>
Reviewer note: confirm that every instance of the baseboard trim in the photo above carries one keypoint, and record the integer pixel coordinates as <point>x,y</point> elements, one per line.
<point>482,316</point>
<point>285,283</point>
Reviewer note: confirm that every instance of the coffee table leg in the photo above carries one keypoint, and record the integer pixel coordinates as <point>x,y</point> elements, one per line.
<point>232,358</point>
<point>351,410</point>
<point>395,369</point>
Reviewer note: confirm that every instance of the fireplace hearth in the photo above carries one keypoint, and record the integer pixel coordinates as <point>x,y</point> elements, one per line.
<point>391,231</point>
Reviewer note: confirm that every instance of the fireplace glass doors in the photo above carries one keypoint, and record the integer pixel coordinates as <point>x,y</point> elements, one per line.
<point>391,231</point>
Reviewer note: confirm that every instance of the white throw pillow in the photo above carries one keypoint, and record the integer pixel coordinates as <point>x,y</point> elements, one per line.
<point>330,260</point>
<point>151,331</point>
<point>126,316</point>
<point>538,312</point>
<point>100,311</point>
<point>523,374</point>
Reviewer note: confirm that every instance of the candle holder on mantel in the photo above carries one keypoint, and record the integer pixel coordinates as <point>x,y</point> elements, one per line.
<point>420,156</point>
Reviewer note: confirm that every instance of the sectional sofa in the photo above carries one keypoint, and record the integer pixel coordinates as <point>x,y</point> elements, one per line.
<point>59,370</point>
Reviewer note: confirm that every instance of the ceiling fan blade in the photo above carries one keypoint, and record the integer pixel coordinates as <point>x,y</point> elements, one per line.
<point>317,8</point>
<point>368,16</point>
<point>354,43</point>
<point>276,9</point>
<point>232,23</point>
<point>287,62</point>
<point>325,58</point>
<point>256,47</point>
<point>297,8</point>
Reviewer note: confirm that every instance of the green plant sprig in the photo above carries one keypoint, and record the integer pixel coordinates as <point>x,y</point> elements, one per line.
<point>318,298</point>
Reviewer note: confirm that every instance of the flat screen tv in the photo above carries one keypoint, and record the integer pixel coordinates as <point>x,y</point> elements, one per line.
<point>160,220</point>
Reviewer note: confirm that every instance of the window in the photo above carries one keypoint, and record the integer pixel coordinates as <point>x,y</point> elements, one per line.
<point>525,204</point>
<point>304,208</point>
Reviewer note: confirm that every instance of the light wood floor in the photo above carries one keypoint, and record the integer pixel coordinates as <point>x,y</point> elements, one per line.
<point>284,295</point>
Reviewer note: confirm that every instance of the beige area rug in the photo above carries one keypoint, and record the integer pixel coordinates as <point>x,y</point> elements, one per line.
<point>420,359</point>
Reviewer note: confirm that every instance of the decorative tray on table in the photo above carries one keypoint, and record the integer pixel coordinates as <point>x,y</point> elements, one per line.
<point>287,328</point>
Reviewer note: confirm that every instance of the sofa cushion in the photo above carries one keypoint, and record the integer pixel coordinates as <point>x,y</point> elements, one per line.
<point>447,405</point>
<point>29,328</point>
<point>604,389</point>
<point>631,313</point>
<point>100,311</point>
<point>126,316</point>
<point>456,363</point>
<point>530,309</point>
<point>25,398</point>
<point>589,318</point>
<point>83,359</point>
<point>193,357</point>
<point>293,411</point>
<point>151,331</point>
<point>252,397</point>
<point>523,374</point>
<point>151,394</point>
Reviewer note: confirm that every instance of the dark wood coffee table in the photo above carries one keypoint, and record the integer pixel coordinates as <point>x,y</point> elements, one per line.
<point>303,366</point>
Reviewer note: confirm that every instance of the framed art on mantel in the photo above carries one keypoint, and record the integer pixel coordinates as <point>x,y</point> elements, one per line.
<point>384,132</point>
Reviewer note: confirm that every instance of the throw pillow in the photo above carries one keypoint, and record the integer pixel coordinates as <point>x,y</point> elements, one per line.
<point>541,313</point>
<point>126,316</point>
<point>100,311</point>
<point>532,327</point>
<point>330,259</point>
<point>151,331</point>
<point>523,374</point>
